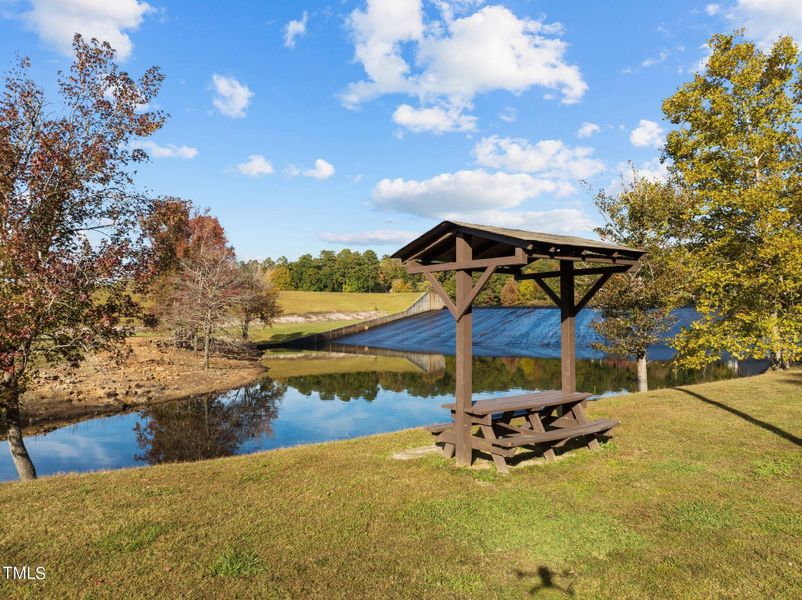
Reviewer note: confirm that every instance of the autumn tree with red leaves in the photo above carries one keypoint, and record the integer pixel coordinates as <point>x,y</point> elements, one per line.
<point>69,214</point>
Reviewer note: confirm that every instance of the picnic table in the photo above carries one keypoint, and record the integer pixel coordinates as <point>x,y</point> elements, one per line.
<point>548,419</point>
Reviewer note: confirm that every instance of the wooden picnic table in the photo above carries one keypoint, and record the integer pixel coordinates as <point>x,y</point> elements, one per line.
<point>549,419</point>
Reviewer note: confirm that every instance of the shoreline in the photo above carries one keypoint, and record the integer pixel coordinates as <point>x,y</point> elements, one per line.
<point>154,373</point>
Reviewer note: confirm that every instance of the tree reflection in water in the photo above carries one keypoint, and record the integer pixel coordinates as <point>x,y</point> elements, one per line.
<point>501,374</point>
<point>207,427</point>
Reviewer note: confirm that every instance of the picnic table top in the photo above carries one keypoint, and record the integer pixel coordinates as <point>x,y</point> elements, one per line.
<point>533,401</point>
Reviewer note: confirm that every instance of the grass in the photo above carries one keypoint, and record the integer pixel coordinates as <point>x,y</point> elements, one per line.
<point>288,331</point>
<point>303,303</point>
<point>698,495</point>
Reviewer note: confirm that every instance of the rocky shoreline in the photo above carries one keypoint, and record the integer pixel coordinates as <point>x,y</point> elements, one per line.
<point>154,372</point>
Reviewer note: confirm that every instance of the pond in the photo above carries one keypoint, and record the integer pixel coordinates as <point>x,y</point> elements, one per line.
<point>343,392</point>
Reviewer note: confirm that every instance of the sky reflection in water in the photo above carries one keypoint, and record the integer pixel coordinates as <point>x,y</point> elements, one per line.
<point>308,400</point>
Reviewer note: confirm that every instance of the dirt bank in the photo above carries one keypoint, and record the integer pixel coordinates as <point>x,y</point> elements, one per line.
<point>152,373</point>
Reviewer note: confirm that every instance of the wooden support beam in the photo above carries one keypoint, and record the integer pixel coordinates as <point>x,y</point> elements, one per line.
<point>475,291</point>
<point>567,328</point>
<point>578,272</point>
<point>592,292</point>
<point>519,258</point>
<point>438,289</point>
<point>549,292</point>
<point>464,351</point>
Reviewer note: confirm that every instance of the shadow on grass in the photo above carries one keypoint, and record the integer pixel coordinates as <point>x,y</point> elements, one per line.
<point>545,581</point>
<point>746,417</point>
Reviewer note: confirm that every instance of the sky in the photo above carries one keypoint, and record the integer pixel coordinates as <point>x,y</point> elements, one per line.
<point>307,125</point>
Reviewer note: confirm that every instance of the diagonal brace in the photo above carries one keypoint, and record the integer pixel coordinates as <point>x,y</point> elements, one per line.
<point>466,303</point>
<point>442,293</point>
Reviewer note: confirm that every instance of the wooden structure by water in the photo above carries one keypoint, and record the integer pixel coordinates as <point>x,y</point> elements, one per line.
<point>551,418</point>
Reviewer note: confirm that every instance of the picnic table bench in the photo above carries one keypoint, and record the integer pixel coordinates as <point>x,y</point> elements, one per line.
<point>550,419</point>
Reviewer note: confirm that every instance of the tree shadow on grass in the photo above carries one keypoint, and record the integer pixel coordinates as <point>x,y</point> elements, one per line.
<point>746,417</point>
<point>545,580</point>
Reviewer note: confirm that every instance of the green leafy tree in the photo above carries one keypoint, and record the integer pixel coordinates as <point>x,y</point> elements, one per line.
<point>737,149</point>
<point>635,307</point>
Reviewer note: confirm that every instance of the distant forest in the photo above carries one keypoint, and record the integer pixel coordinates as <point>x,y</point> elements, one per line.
<point>354,271</point>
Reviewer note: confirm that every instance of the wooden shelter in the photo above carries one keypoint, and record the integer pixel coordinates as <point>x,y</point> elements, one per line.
<point>466,249</point>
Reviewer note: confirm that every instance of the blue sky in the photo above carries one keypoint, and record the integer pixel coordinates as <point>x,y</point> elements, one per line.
<point>311,125</point>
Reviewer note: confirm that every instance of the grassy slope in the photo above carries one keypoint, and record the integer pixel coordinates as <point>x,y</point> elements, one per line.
<point>698,495</point>
<point>288,331</point>
<point>308,303</point>
<point>302,303</point>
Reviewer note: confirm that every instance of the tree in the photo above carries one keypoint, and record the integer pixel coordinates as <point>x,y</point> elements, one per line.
<point>257,299</point>
<point>207,285</point>
<point>509,293</point>
<point>635,307</point>
<point>69,216</point>
<point>280,278</point>
<point>737,149</point>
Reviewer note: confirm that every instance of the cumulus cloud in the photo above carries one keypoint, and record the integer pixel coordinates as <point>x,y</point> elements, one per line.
<point>256,166</point>
<point>154,150</point>
<point>381,237</point>
<point>464,193</point>
<point>322,170</point>
<point>547,158</point>
<point>766,20</point>
<point>448,61</point>
<point>231,97</point>
<point>435,120</point>
<point>57,21</point>
<point>647,134</point>
<point>587,129</point>
<point>295,29</point>
<point>713,9</point>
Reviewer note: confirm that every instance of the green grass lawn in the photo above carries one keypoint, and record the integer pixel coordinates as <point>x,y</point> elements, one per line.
<point>698,495</point>
<point>288,331</point>
<point>302,303</point>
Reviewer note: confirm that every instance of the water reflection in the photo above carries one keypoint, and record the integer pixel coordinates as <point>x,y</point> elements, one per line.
<point>314,397</point>
<point>208,427</point>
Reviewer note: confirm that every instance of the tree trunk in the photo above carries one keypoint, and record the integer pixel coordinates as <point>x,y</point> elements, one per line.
<point>643,381</point>
<point>245,326</point>
<point>19,453</point>
<point>206,337</point>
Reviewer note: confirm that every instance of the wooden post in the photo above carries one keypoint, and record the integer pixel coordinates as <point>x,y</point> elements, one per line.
<point>567,327</point>
<point>464,350</point>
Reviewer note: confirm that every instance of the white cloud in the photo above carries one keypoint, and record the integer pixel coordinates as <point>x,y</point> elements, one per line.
<point>231,96</point>
<point>256,166</point>
<point>766,20</point>
<point>587,129</point>
<point>653,170</point>
<point>713,9</point>
<point>436,120</point>
<point>322,170</point>
<point>448,61</point>
<point>508,115</point>
<point>57,21</point>
<point>295,29</point>
<point>382,237</point>
<point>547,158</point>
<point>168,151</point>
<point>292,170</point>
<point>647,134</point>
<point>462,194</point>
<point>654,60</point>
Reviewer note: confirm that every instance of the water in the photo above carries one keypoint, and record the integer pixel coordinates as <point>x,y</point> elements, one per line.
<point>313,398</point>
